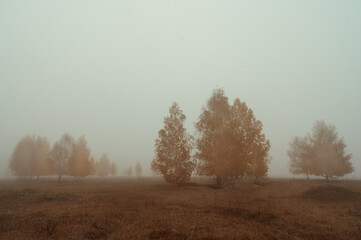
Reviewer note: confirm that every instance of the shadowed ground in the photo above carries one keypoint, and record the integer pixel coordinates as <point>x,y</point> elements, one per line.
<point>151,209</point>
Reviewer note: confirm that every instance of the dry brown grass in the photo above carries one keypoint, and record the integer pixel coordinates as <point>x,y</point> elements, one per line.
<point>152,209</point>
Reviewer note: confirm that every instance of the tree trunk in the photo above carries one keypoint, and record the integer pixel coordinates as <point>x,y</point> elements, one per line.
<point>252,176</point>
<point>308,178</point>
<point>219,180</point>
<point>38,177</point>
<point>59,177</point>
<point>326,177</point>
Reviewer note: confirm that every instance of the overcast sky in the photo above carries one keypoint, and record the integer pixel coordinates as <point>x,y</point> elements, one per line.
<point>110,70</point>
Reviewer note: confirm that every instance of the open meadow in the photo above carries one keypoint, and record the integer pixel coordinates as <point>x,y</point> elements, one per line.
<point>149,208</point>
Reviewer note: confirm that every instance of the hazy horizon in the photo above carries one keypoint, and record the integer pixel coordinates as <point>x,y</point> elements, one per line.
<point>110,70</point>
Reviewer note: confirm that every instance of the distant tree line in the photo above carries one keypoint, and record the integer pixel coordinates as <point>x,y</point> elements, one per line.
<point>138,171</point>
<point>230,144</point>
<point>33,157</point>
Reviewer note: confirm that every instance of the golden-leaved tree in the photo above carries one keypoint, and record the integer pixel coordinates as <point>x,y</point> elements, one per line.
<point>31,157</point>
<point>301,155</point>
<point>79,164</point>
<point>321,153</point>
<point>61,154</point>
<point>22,158</point>
<point>42,154</point>
<point>231,143</point>
<point>173,148</point>
<point>103,167</point>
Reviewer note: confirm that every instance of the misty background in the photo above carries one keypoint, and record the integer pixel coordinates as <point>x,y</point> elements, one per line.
<point>110,70</point>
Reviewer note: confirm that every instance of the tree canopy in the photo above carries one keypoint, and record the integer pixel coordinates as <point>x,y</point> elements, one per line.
<point>320,153</point>
<point>79,164</point>
<point>231,142</point>
<point>103,167</point>
<point>61,154</point>
<point>31,157</point>
<point>173,148</point>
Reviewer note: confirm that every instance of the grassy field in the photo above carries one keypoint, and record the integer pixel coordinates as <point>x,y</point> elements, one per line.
<point>152,209</point>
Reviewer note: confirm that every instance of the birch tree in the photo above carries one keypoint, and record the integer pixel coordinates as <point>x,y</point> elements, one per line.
<point>173,148</point>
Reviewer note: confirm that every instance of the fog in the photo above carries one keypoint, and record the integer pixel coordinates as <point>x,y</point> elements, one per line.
<point>110,70</point>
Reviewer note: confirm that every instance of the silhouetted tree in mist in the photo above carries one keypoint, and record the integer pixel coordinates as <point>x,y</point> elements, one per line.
<point>42,157</point>
<point>79,164</point>
<point>92,166</point>
<point>113,169</point>
<point>320,153</point>
<point>173,148</point>
<point>301,155</point>
<point>138,169</point>
<point>128,172</point>
<point>60,155</point>
<point>104,166</point>
<point>31,157</point>
<point>22,157</point>
<point>231,142</point>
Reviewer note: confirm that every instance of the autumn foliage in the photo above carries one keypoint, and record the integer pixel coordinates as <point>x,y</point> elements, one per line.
<point>103,167</point>
<point>60,155</point>
<point>321,153</point>
<point>31,158</point>
<point>231,143</point>
<point>34,157</point>
<point>173,148</point>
